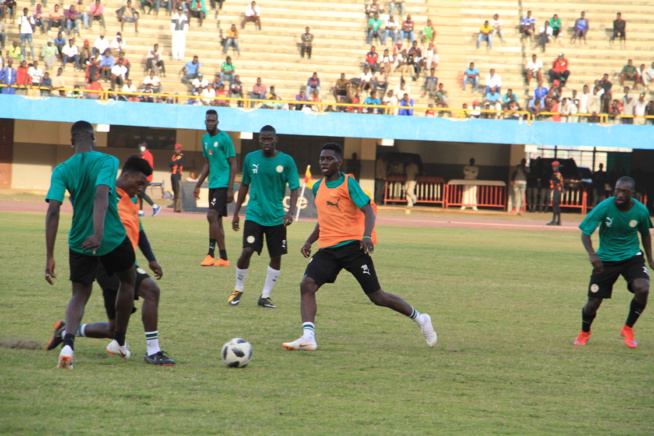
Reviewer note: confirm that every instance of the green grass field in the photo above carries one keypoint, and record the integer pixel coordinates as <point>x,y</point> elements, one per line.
<point>506,305</point>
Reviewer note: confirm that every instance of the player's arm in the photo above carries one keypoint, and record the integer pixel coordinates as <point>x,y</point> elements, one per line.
<point>292,207</point>
<point>51,228</point>
<point>203,175</point>
<point>592,256</point>
<point>366,241</point>
<point>647,247</point>
<point>100,206</point>
<point>313,237</point>
<point>232,175</point>
<point>242,193</point>
<point>146,249</point>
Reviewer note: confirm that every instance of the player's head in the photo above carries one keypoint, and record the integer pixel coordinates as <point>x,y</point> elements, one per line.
<point>211,121</point>
<point>331,159</point>
<point>82,134</point>
<point>625,188</point>
<point>134,175</point>
<point>268,140</point>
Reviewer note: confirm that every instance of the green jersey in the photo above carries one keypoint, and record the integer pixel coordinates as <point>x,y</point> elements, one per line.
<point>618,229</point>
<point>217,149</point>
<point>80,175</point>
<point>267,178</point>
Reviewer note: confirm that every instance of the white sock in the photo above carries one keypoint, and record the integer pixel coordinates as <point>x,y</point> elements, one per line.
<point>415,316</point>
<point>80,331</point>
<point>271,278</point>
<point>152,341</point>
<point>309,330</point>
<point>240,279</point>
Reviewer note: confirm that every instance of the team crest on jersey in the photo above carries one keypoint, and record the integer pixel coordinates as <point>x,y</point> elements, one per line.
<point>633,223</point>
<point>215,144</point>
<point>250,239</point>
<point>279,168</point>
<point>140,271</point>
<point>594,288</point>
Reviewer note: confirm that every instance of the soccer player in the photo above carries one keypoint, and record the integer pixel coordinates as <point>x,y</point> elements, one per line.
<point>620,219</point>
<point>220,166</point>
<point>96,234</point>
<point>344,232</point>
<point>266,171</point>
<point>132,180</point>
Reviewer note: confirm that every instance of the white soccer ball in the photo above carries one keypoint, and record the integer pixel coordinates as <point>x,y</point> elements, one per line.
<point>237,353</point>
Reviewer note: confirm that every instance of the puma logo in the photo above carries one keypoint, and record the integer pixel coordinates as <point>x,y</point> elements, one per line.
<point>329,203</point>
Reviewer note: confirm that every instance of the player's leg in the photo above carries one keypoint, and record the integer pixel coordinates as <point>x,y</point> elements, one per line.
<point>276,241</point>
<point>252,242</point>
<point>150,292</point>
<point>221,205</point>
<point>638,279</point>
<point>600,287</point>
<point>212,219</point>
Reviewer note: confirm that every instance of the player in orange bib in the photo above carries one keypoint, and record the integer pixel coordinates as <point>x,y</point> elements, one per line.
<point>346,221</point>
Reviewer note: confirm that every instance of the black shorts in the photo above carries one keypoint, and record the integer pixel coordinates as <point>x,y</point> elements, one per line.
<point>325,265</point>
<point>110,285</point>
<point>555,32</point>
<point>83,267</point>
<point>601,285</point>
<point>218,200</point>
<point>253,234</point>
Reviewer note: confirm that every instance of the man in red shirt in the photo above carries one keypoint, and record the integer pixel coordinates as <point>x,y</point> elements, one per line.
<point>560,70</point>
<point>23,79</point>
<point>145,154</point>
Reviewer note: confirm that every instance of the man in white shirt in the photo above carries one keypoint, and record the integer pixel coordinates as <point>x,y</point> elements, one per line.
<point>199,82</point>
<point>101,44</point>
<point>493,81</point>
<point>129,87</point>
<point>534,68</point>
<point>640,106</point>
<point>26,25</point>
<point>70,54</point>
<point>118,72</point>
<point>648,76</point>
<point>119,43</point>
<point>179,27</point>
<point>497,24</point>
<point>35,73</point>
<point>208,95</point>
<point>153,81</point>
<point>252,13</point>
<point>154,60</point>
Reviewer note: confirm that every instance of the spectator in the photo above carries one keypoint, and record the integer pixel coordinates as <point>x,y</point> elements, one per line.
<point>15,52</point>
<point>390,100</point>
<point>93,89</point>
<point>154,61</point>
<point>391,29</point>
<point>403,88</point>
<point>107,61</point>
<point>374,8</point>
<point>595,101</point>
<point>380,81</point>
<point>85,54</point>
<point>222,92</point>
<point>396,4</point>
<point>46,85</point>
<point>3,34</point>
<point>96,13</point>
<point>619,29</point>
<point>402,62</point>
<point>415,59</point>
<point>544,35</point>
<point>313,84</point>
<point>127,14</point>
<point>72,20</point>
<point>307,43</point>
<point>583,100</point>
<point>148,97</point>
<point>372,100</point>
<point>407,29</point>
<point>553,108</point>
<point>118,72</point>
<point>431,58</point>
<point>179,28</point>
<point>154,82</point>
<point>55,18</point>
<point>35,73</point>
<point>471,75</point>
<point>430,112</point>
<point>125,61</point>
<point>341,89</point>
<point>198,10</point>
<point>556,25</point>
<point>227,70</point>
<point>535,107</point>
<point>258,91</point>
<point>441,97</point>
<point>26,25</point>
<point>555,90</point>
<point>252,14</point>
<point>541,91</point>
<point>485,34</point>
<point>39,19</point>
<point>315,98</point>
<point>615,110</point>
<point>640,107</point>
<point>641,74</point>
<point>83,14</point>
<point>364,81</point>
<point>60,42</point>
<point>70,55</point>
<point>431,83</point>
<point>93,70</point>
<point>406,102</point>
<point>493,81</point>
<point>8,77</point>
<point>191,70</point>
<point>605,83</point>
<point>534,69</point>
<point>118,43</point>
<point>428,33</point>
<point>301,97</point>
<point>528,26</point>
<point>581,28</point>
<point>497,24</point>
<point>49,54</point>
<point>560,70</point>
<point>372,59</point>
<point>629,72</point>
<point>236,89</point>
<point>508,98</point>
<point>100,45</point>
<point>569,109</point>
<point>387,61</point>
<point>199,83</point>
<point>207,95</point>
<point>648,76</point>
<point>375,29</point>
<point>492,98</point>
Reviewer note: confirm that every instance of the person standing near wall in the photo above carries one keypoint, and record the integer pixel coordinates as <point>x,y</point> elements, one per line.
<point>143,195</point>
<point>411,171</point>
<point>558,188</point>
<point>176,166</point>
<point>519,184</point>
<point>469,195</point>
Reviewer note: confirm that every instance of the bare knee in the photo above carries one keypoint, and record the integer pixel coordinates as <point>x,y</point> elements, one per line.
<point>308,286</point>
<point>379,298</point>
<point>149,290</point>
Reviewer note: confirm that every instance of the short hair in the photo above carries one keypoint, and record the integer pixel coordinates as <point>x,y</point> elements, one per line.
<point>627,179</point>
<point>81,128</point>
<point>136,164</point>
<point>212,112</point>
<point>268,128</point>
<point>334,147</point>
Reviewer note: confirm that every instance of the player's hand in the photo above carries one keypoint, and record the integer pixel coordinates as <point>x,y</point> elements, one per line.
<point>306,249</point>
<point>196,193</point>
<point>92,242</point>
<point>49,270</point>
<point>235,222</point>
<point>598,265</point>
<point>156,269</point>
<point>230,195</point>
<point>288,219</point>
<point>367,246</point>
